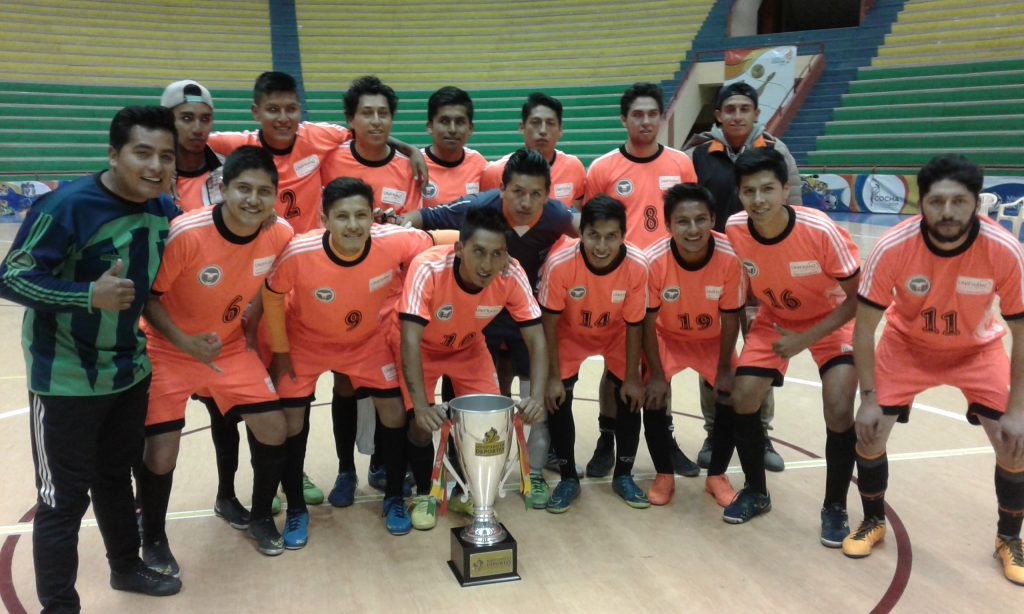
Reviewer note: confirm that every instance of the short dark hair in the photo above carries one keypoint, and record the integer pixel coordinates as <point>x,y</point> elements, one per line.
<point>343,187</point>
<point>739,88</point>
<point>953,167</point>
<point>152,117</point>
<point>540,99</point>
<point>247,158</point>
<point>640,90</point>
<point>687,192</point>
<point>603,207</point>
<point>757,159</point>
<point>482,218</point>
<point>449,95</point>
<point>367,86</point>
<point>527,162</point>
<point>272,82</point>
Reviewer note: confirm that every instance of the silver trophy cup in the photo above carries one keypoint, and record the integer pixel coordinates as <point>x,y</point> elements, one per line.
<point>484,440</point>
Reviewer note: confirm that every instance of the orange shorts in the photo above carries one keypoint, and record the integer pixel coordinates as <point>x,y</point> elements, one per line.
<point>370,366</point>
<point>243,387</point>
<point>611,344</point>
<point>470,369</point>
<point>903,370</point>
<point>700,355</point>
<point>758,358</point>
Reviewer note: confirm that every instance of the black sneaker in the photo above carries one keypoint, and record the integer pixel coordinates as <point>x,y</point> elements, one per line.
<point>268,538</point>
<point>681,464</point>
<point>772,460</point>
<point>233,512</point>
<point>157,556</point>
<point>704,456</point>
<point>603,460</point>
<point>745,506</point>
<point>144,580</point>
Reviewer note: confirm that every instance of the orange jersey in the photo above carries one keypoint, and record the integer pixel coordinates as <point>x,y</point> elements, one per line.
<point>454,316</point>
<point>588,300</point>
<point>640,184</point>
<point>208,275</point>
<point>941,300</point>
<point>198,189</point>
<point>300,177</point>
<point>450,181</point>
<point>392,179</point>
<point>689,298</point>
<point>795,274</point>
<point>338,301</point>
<point>568,177</point>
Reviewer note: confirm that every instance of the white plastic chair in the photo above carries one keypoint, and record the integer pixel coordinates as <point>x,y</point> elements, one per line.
<point>1015,217</point>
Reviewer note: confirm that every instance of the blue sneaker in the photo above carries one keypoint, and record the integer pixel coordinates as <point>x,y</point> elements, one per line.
<point>296,530</point>
<point>377,477</point>
<point>563,495</point>
<point>626,488</point>
<point>835,526</point>
<point>344,492</point>
<point>396,517</point>
<point>745,506</point>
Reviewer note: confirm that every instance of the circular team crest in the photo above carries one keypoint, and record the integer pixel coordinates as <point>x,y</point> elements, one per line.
<point>578,292</point>
<point>430,190</point>
<point>210,275</point>
<point>324,295</point>
<point>919,285</point>
<point>750,268</point>
<point>445,312</point>
<point>624,187</point>
<point>670,294</point>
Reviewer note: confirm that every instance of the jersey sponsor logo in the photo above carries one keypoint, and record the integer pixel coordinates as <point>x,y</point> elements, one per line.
<point>618,296</point>
<point>563,190</point>
<point>473,187</point>
<point>445,312</point>
<point>713,293</point>
<point>750,268</point>
<point>670,295</point>
<point>578,292</point>
<point>667,181</point>
<point>488,311</point>
<point>211,188</point>
<point>919,285</point>
<point>210,275</point>
<point>430,190</point>
<point>261,266</point>
<point>624,187</point>
<point>306,166</point>
<point>380,281</point>
<point>974,285</point>
<point>804,268</point>
<point>391,196</point>
<point>324,295</point>
<point>390,372</point>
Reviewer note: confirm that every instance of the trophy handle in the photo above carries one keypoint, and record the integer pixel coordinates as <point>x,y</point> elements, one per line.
<point>455,474</point>
<point>510,464</point>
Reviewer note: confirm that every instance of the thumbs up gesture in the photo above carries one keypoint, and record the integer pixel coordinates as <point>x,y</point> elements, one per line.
<point>111,292</point>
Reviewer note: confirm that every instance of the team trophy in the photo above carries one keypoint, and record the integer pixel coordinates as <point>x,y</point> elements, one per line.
<point>483,552</point>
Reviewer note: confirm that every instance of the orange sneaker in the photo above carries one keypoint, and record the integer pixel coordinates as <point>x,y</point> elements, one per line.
<point>718,486</point>
<point>661,491</point>
<point>1011,554</point>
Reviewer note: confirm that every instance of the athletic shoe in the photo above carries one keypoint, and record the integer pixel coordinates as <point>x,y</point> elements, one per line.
<point>311,494</point>
<point>745,506</point>
<point>396,517</point>
<point>296,530</point>
<point>377,477</point>
<point>603,460</point>
<point>704,456</point>
<point>456,504</point>
<point>718,486</point>
<point>268,539</point>
<point>563,495</point>
<point>1010,552</point>
<point>681,464</point>
<point>142,579</point>
<point>772,460</point>
<point>835,526</point>
<point>625,487</point>
<point>344,492</point>
<point>233,512</point>
<point>275,506</point>
<point>157,556</point>
<point>424,512</point>
<point>857,545</point>
<point>539,493</point>
<point>660,493</point>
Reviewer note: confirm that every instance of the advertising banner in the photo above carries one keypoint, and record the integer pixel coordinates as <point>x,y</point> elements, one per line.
<point>769,70</point>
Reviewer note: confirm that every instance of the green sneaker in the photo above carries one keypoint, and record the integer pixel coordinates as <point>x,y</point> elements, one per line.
<point>539,493</point>
<point>456,504</point>
<point>310,492</point>
<point>424,512</point>
<point>275,506</point>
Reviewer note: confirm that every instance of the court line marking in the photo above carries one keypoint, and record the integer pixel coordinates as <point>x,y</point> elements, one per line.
<point>14,412</point>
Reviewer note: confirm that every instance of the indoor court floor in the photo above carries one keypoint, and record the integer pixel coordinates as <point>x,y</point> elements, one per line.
<point>601,556</point>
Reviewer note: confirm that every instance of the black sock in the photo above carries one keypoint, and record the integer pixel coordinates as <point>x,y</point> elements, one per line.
<point>395,461</point>
<point>421,457</point>
<point>627,435</point>
<point>345,417</point>
<point>267,466</point>
<point>872,480</point>
<point>657,436</point>
<point>1010,495</point>
<point>154,494</point>
<point>291,476</point>
<point>562,428</point>
<point>749,436</point>
<point>377,458</point>
<point>606,429</point>
<point>225,446</point>
<point>722,439</point>
<point>840,458</point>
<point>670,424</point>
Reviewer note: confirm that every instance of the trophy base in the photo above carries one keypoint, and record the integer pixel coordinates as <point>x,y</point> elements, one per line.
<point>475,565</point>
